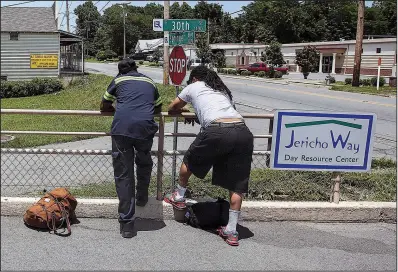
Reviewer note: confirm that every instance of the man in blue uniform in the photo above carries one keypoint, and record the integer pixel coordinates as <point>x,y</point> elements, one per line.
<point>133,129</point>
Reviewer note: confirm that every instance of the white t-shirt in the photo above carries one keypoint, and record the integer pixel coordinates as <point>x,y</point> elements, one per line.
<point>209,104</point>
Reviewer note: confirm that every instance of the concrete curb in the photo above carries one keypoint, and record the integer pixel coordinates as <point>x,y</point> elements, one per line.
<point>365,212</point>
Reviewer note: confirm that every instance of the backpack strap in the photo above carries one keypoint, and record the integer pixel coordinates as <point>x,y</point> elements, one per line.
<point>65,216</point>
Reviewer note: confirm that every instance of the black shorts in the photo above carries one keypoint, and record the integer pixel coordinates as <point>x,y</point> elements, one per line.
<point>228,148</point>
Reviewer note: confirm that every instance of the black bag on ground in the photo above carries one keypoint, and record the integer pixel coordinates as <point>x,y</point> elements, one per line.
<point>208,215</point>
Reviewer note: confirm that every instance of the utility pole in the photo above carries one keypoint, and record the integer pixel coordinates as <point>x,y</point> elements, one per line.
<point>124,34</point>
<point>67,16</point>
<point>358,46</point>
<point>166,15</point>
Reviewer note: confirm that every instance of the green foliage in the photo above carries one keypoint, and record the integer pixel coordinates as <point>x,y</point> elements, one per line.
<point>246,73</point>
<point>365,82</point>
<point>268,22</point>
<point>273,54</point>
<point>219,59</point>
<point>332,80</point>
<point>307,58</point>
<point>257,74</point>
<point>278,74</point>
<point>270,73</point>
<point>382,81</point>
<point>203,50</point>
<point>141,62</point>
<point>34,87</point>
<point>157,54</point>
<point>232,71</point>
<point>261,74</point>
<point>348,81</point>
<point>106,54</point>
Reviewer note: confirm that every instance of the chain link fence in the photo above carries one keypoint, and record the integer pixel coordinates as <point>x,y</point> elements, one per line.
<point>30,172</point>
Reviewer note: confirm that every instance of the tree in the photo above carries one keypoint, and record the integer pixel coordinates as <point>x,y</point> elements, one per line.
<point>203,50</point>
<point>87,24</point>
<point>273,54</point>
<point>157,54</point>
<point>307,59</point>
<point>219,59</point>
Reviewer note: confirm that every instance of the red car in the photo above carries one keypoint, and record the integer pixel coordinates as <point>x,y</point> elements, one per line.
<point>261,66</point>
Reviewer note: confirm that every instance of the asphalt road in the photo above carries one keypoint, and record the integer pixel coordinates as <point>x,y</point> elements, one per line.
<point>256,96</point>
<point>95,244</point>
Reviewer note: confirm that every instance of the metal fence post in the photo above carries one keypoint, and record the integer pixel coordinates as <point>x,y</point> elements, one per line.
<point>174,165</point>
<point>335,194</point>
<point>159,176</point>
<point>269,142</point>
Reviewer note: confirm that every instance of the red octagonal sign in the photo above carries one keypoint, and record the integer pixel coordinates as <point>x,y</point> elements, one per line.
<point>177,65</point>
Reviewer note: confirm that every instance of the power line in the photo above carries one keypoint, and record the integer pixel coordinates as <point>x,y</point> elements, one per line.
<point>104,6</point>
<point>18,4</point>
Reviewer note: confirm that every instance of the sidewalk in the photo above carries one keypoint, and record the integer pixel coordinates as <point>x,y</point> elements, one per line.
<point>95,244</point>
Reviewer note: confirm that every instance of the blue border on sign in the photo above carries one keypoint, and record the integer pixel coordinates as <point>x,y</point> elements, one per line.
<point>318,166</point>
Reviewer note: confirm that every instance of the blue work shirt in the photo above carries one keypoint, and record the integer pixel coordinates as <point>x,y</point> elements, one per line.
<point>136,97</point>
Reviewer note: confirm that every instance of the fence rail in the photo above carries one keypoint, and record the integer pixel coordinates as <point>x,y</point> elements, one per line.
<point>31,155</point>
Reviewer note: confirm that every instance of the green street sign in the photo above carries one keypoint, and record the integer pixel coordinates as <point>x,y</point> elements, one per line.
<point>182,25</point>
<point>179,38</point>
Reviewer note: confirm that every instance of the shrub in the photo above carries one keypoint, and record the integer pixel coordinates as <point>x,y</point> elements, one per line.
<point>141,62</point>
<point>232,71</point>
<point>34,87</point>
<point>246,73</point>
<point>278,74</point>
<point>366,82</point>
<point>270,73</point>
<point>261,74</point>
<point>107,54</point>
<point>348,81</point>
<point>221,70</point>
<point>381,83</point>
<point>257,74</point>
<point>332,80</point>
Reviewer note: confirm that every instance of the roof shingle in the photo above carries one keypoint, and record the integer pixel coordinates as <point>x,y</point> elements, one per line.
<point>27,19</point>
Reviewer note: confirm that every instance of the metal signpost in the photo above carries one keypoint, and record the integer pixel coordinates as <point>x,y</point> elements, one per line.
<point>178,32</point>
<point>177,72</point>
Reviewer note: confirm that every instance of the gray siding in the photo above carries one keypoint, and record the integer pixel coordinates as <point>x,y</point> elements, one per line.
<point>15,55</point>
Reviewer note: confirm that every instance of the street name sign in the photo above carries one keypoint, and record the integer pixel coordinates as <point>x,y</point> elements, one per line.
<point>322,141</point>
<point>179,38</point>
<point>179,25</point>
<point>177,65</point>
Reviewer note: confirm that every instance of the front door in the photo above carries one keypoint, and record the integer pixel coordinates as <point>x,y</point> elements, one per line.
<point>327,62</point>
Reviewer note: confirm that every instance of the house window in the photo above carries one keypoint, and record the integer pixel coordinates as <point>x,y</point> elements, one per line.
<point>378,50</point>
<point>14,36</point>
<point>232,53</point>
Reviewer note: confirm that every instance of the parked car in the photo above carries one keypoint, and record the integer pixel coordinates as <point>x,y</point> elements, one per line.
<point>261,66</point>
<point>137,56</point>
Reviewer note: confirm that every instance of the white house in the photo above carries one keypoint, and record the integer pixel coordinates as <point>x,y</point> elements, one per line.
<point>336,57</point>
<point>32,46</point>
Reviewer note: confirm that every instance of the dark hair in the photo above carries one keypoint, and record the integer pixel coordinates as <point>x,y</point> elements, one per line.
<point>210,78</point>
<point>127,65</point>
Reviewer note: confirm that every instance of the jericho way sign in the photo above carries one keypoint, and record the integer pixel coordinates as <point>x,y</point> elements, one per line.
<point>177,65</point>
<point>322,141</point>
<point>179,25</point>
<point>179,38</point>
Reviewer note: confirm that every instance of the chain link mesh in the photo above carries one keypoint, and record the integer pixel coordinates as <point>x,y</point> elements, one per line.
<point>91,175</point>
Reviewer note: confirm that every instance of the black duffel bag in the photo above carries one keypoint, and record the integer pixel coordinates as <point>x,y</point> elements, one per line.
<point>208,215</point>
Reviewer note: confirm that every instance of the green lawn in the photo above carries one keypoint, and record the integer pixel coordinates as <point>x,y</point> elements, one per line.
<point>94,60</point>
<point>383,91</point>
<point>268,184</point>
<point>82,94</point>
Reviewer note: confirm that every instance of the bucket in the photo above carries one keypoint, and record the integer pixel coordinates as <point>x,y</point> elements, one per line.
<point>179,215</point>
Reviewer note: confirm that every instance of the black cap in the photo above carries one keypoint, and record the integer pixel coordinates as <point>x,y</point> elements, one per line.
<point>126,66</point>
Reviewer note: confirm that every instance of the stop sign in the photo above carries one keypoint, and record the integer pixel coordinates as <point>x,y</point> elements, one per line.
<point>177,65</point>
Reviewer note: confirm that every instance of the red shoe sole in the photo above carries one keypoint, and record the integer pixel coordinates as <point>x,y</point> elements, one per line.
<point>177,205</point>
<point>225,237</point>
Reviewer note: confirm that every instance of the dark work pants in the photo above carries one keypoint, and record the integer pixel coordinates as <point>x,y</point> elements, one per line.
<point>124,149</point>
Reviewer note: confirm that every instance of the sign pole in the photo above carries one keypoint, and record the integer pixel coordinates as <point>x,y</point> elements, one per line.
<point>378,73</point>
<point>174,166</point>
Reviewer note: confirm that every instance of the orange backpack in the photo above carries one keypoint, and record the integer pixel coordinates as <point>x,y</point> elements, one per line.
<point>52,211</point>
